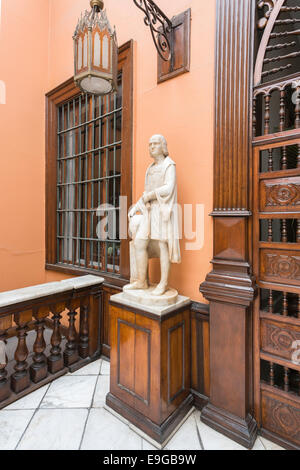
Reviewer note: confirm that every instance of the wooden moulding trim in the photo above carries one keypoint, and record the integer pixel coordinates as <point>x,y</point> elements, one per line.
<point>242,431</point>
<point>278,440</point>
<point>200,308</point>
<point>113,281</point>
<point>58,96</point>
<point>140,311</point>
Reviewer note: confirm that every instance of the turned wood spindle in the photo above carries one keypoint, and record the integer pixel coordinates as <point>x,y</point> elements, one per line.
<point>270,302</point>
<point>284,234</point>
<point>84,332</point>
<point>267,113</point>
<point>286,380</point>
<point>39,369</point>
<point>299,306</point>
<point>254,120</point>
<point>282,110</point>
<point>298,231</point>
<point>284,160</point>
<point>20,379</point>
<point>272,374</point>
<point>71,353</point>
<point>270,230</point>
<point>297,108</point>
<point>285,305</point>
<point>270,160</point>
<point>4,383</point>
<point>55,360</point>
<point>298,156</point>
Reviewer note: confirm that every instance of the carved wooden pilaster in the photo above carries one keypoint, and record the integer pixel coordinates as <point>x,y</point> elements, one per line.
<point>230,286</point>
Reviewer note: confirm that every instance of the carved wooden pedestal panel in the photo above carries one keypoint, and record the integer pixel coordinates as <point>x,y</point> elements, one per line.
<point>150,368</point>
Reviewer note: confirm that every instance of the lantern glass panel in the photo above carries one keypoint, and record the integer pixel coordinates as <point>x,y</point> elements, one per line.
<point>105,52</point>
<point>85,50</point>
<point>97,50</point>
<point>80,53</point>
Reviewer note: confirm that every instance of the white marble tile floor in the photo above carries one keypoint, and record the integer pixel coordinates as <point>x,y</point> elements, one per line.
<point>69,414</point>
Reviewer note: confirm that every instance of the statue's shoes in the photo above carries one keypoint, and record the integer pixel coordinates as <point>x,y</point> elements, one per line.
<point>137,286</point>
<point>159,290</point>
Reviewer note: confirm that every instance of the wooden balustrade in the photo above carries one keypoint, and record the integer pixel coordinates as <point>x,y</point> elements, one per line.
<point>75,302</point>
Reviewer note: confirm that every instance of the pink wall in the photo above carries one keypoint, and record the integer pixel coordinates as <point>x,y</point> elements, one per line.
<point>181,109</point>
<point>23,66</point>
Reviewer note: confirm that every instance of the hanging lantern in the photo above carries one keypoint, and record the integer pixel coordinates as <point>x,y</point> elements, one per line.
<point>95,52</point>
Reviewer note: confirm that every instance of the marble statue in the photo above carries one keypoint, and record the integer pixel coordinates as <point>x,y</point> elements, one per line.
<point>153,222</point>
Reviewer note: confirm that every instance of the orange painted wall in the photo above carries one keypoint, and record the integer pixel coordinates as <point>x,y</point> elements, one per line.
<point>23,68</point>
<point>181,109</point>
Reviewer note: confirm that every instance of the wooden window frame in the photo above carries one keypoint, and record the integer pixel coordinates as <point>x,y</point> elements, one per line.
<point>55,98</point>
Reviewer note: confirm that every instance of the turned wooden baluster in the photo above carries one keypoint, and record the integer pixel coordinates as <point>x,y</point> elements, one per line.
<point>285,305</point>
<point>298,231</point>
<point>55,360</point>
<point>286,379</point>
<point>84,330</point>
<point>297,108</point>
<point>299,306</point>
<point>267,113</point>
<point>270,302</point>
<point>254,120</point>
<point>270,160</point>
<point>4,383</point>
<point>20,379</point>
<point>284,234</point>
<point>284,160</point>
<point>270,230</point>
<point>298,157</point>
<point>71,353</point>
<point>39,368</point>
<point>272,374</point>
<point>282,110</point>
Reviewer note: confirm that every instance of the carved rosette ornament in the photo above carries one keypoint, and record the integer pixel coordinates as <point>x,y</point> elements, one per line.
<point>283,419</point>
<point>283,195</point>
<point>283,266</point>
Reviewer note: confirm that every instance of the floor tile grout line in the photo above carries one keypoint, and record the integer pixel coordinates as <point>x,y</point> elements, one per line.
<point>198,432</point>
<point>89,409</point>
<point>33,415</point>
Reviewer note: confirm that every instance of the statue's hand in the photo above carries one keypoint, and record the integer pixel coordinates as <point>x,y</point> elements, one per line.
<point>132,212</point>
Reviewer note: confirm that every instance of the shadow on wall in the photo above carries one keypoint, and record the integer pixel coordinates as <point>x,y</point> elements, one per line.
<point>2,92</point>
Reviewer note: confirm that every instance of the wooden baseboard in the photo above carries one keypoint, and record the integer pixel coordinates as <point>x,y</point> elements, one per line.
<point>278,440</point>
<point>159,433</point>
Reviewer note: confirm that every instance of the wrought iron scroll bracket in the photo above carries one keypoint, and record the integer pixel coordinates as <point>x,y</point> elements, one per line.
<point>160,26</point>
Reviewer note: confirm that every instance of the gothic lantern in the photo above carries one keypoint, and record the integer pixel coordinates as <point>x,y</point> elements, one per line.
<point>95,52</point>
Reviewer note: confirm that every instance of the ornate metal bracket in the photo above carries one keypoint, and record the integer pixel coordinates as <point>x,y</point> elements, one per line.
<point>160,26</point>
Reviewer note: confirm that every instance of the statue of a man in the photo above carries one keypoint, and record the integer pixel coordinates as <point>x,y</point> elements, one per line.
<point>153,221</point>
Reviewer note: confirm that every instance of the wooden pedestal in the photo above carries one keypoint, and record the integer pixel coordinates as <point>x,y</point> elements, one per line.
<point>150,368</point>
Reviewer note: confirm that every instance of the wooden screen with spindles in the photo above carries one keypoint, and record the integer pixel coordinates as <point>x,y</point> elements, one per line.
<point>276,220</point>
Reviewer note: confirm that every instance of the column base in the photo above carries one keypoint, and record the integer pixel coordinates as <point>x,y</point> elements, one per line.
<point>244,432</point>
<point>159,433</point>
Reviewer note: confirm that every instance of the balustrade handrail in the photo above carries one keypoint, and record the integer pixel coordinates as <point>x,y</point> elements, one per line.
<point>30,307</point>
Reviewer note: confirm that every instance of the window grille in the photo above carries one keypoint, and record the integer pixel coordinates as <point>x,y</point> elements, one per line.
<point>89,145</point>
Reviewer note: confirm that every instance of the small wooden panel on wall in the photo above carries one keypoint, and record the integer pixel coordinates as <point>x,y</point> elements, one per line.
<point>278,338</point>
<point>281,416</point>
<point>200,361</point>
<point>281,266</point>
<point>180,63</point>
<point>280,194</point>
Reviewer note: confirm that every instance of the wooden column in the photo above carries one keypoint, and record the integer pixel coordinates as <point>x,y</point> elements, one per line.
<point>230,286</point>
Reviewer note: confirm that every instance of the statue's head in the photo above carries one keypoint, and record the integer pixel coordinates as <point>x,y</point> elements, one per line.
<point>158,146</point>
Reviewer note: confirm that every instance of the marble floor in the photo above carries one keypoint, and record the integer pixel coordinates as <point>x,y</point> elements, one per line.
<point>69,414</point>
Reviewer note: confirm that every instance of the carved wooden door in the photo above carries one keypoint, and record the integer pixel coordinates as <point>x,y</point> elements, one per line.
<point>276,220</point>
